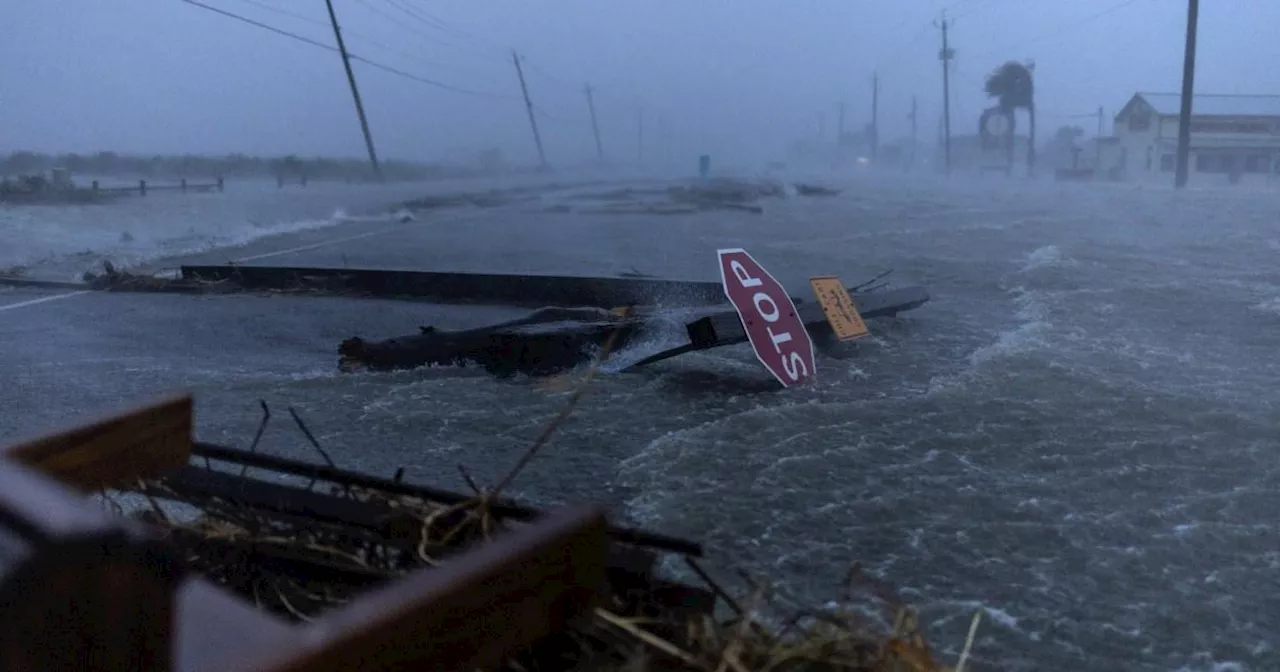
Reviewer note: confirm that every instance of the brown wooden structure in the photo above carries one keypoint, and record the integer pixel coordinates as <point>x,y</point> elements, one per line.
<point>80,589</point>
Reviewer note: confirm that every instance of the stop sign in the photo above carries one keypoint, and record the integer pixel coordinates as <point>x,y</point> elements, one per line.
<point>769,317</point>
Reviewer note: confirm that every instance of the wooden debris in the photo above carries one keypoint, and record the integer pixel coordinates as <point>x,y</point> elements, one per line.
<point>116,450</point>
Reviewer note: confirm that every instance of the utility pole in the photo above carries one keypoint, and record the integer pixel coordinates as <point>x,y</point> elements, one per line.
<point>912,117</point>
<point>595,128</point>
<point>1097,149</point>
<point>355,92</point>
<point>840,125</point>
<point>533,121</point>
<point>1188,85</point>
<point>945,56</point>
<point>640,135</point>
<point>875,116</point>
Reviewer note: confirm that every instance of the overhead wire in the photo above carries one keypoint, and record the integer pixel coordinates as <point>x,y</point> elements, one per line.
<point>441,31</point>
<point>351,33</point>
<point>328,47</point>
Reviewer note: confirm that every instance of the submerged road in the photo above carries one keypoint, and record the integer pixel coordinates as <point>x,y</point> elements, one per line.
<point>1078,435</point>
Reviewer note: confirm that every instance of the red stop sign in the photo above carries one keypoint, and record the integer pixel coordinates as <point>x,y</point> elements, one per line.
<point>769,317</point>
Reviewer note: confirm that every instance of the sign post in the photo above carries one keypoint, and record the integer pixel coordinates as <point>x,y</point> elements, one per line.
<point>769,317</point>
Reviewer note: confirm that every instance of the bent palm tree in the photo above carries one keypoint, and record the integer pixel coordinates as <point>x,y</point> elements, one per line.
<point>1011,86</point>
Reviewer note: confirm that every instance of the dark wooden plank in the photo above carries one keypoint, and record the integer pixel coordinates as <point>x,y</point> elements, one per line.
<point>471,612</point>
<point>503,508</point>
<point>195,484</point>
<point>505,289</point>
<point>116,450</point>
<point>725,328</point>
<point>81,591</point>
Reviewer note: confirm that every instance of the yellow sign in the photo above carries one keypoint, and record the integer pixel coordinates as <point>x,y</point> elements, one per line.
<point>839,308</point>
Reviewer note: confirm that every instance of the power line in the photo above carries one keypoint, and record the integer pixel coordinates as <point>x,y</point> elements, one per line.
<point>444,25</point>
<point>350,33</point>
<point>354,57</point>
<point>285,12</point>
<point>437,27</point>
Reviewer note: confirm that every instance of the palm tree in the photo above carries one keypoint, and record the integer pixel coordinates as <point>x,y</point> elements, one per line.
<point>1011,86</point>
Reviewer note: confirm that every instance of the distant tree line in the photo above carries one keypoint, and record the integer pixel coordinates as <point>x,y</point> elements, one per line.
<point>111,164</point>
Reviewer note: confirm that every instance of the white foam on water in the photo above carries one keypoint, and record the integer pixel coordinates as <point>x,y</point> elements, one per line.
<point>1270,306</point>
<point>1048,256</point>
<point>1030,333</point>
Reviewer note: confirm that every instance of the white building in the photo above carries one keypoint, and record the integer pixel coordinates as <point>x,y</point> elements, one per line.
<point>1232,135</point>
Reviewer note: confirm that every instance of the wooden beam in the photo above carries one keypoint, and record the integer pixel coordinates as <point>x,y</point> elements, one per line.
<point>503,508</point>
<point>469,613</point>
<point>79,590</point>
<point>116,450</point>
<point>507,289</point>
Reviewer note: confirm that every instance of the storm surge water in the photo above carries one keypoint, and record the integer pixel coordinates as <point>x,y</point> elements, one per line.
<point>1077,435</point>
<point>60,243</point>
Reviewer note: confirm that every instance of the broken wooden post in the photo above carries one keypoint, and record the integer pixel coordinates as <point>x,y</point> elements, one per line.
<point>79,591</point>
<point>117,450</point>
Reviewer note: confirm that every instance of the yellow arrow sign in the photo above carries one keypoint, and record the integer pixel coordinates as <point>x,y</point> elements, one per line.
<point>839,308</point>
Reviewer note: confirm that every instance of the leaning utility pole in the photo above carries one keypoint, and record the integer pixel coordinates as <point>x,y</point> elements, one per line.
<point>945,56</point>
<point>355,92</point>
<point>595,128</point>
<point>912,117</point>
<point>875,116</point>
<point>533,121</point>
<point>1188,85</point>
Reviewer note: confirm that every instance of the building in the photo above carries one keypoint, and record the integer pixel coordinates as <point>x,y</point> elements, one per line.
<point>1233,135</point>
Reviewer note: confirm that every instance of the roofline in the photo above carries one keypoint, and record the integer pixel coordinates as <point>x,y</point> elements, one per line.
<point>1143,94</point>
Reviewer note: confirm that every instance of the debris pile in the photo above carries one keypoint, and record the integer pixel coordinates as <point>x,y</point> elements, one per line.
<point>298,551</point>
<point>695,196</point>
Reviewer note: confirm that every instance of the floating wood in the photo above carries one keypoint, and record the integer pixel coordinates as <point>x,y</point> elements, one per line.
<point>552,340</point>
<point>491,288</point>
<point>115,450</point>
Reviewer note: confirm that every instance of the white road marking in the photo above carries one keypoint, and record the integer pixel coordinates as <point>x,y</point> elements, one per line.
<point>43,299</point>
<point>358,236</point>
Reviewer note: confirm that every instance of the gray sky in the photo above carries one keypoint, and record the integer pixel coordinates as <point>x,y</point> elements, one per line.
<point>737,78</point>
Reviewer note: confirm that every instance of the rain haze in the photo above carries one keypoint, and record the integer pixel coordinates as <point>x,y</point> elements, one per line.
<point>735,79</point>
<point>1062,415</point>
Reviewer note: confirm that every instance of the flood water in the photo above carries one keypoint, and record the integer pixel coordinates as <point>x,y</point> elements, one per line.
<point>1078,435</point>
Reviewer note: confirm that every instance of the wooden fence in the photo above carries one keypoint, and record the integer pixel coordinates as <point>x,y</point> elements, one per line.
<point>143,187</point>
<point>87,590</point>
